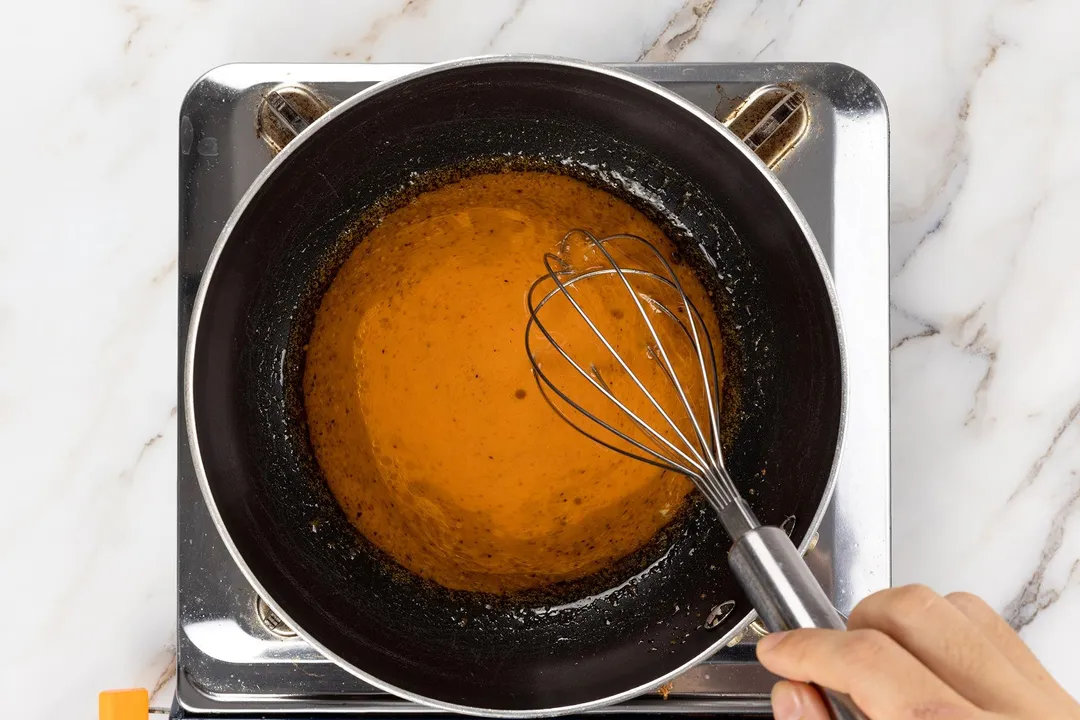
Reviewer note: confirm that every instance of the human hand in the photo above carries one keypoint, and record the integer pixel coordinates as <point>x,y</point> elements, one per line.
<point>910,653</point>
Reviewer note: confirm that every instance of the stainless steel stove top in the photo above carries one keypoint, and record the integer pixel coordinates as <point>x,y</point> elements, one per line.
<point>233,655</point>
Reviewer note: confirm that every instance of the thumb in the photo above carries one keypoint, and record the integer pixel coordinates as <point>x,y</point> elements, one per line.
<point>797,701</point>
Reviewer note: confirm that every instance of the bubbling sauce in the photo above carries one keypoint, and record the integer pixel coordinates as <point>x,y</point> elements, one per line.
<point>422,407</point>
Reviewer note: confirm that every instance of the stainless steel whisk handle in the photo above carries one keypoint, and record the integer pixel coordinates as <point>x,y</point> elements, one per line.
<point>787,596</point>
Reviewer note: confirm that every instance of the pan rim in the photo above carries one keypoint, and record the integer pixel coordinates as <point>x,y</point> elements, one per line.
<point>207,278</point>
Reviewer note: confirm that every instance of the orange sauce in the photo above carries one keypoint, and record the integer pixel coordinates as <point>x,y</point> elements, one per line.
<point>422,407</point>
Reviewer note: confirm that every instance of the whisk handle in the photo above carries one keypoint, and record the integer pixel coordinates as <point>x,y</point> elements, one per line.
<point>787,596</point>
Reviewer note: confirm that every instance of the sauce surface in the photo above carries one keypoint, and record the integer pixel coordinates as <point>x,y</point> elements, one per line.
<point>422,407</point>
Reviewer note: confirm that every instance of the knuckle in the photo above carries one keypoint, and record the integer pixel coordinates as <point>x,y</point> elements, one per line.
<point>914,598</point>
<point>887,609</point>
<point>864,647</point>
<point>938,710</point>
<point>862,614</point>
<point>966,602</point>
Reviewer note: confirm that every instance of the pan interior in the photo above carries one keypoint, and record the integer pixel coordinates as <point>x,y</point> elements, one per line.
<point>424,412</point>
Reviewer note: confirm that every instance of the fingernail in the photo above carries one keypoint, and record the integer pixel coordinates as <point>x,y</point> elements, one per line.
<point>786,702</point>
<point>770,641</point>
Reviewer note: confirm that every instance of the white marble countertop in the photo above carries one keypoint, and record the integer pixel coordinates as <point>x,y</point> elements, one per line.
<point>985,265</point>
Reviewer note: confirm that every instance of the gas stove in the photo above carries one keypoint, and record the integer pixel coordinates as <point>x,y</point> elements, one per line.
<point>824,129</point>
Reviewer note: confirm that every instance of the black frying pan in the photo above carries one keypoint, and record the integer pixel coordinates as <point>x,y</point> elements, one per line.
<point>255,308</point>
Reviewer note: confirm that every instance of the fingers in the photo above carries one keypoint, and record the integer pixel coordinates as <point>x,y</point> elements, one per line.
<point>883,679</point>
<point>797,701</point>
<point>1008,643</point>
<point>947,642</point>
<point>910,653</point>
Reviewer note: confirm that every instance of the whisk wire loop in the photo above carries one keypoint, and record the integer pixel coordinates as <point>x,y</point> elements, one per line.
<point>698,466</point>
<point>699,458</point>
<point>659,346</point>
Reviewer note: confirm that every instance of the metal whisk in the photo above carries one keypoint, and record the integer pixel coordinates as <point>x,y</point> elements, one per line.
<point>674,424</point>
<point>692,447</point>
